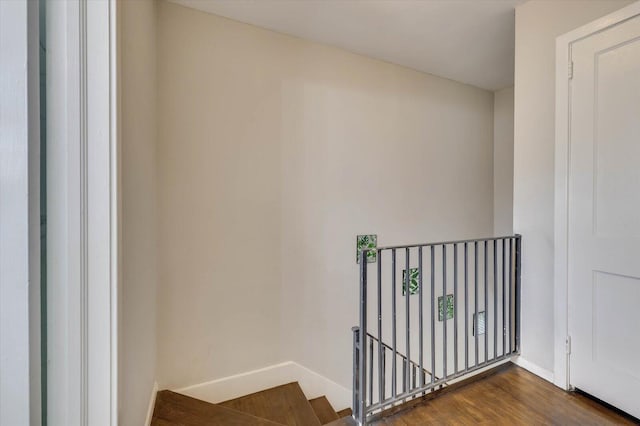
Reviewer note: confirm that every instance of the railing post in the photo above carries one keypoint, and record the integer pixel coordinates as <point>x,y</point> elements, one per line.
<point>518,274</point>
<point>362,372</point>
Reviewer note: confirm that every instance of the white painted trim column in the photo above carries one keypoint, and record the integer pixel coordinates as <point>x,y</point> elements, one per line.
<point>82,204</point>
<point>562,171</point>
<point>19,215</point>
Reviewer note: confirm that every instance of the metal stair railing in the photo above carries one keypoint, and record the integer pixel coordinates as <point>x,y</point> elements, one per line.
<point>473,290</point>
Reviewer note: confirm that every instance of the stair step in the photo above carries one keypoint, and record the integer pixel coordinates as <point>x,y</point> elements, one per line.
<point>284,404</point>
<point>347,412</point>
<point>323,409</point>
<point>344,421</point>
<point>162,422</point>
<point>176,409</point>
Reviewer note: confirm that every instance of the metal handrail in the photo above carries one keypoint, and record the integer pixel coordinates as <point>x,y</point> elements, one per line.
<point>365,407</point>
<point>440,243</point>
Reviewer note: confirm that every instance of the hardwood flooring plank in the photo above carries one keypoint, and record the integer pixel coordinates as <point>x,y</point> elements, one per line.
<point>512,396</point>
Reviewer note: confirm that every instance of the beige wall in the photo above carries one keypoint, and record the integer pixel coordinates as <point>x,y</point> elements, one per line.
<point>139,225</point>
<point>273,154</point>
<point>503,162</point>
<point>220,123</point>
<point>538,23</point>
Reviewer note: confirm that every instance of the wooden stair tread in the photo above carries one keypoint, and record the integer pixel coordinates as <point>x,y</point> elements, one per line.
<point>344,421</point>
<point>180,410</point>
<point>345,413</point>
<point>162,422</point>
<point>323,409</point>
<point>285,404</point>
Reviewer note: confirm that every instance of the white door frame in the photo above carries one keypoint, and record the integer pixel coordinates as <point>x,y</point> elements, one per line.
<point>19,215</point>
<point>82,213</point>
<point>562,158</point>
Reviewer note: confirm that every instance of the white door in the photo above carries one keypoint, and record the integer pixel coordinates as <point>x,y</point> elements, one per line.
<point>604,216</point>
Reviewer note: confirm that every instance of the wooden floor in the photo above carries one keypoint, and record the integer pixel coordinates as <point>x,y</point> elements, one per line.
<point>507,395</point>
<point>511,396</point>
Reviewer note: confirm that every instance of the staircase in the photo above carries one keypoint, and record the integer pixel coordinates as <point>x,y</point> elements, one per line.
<point>278,406</point>
<point>453,310</point>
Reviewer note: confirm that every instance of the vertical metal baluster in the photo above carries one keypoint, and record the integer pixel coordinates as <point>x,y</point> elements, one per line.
<point>466,306</point>
<point>475,294</point>
<point>363,334</point>
<point>384,373</point>
<point>495,299</point>
<point>393,328</point>
<point>405,372</point>
<point>380,347</point>
<point>517,289</point>
<point>455,308</point>
<point>504,326</point>
<point>370,370</point>
<point>356,373</point>
<point>413,379</point>
<point>408,317</point>
<point>510,294</point>
<point>486,305</point>
<point>444,310</point>
<point>420,322</point>
<point>433,316</point>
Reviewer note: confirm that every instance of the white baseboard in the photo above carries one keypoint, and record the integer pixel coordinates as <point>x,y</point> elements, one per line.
<point>152,404</point>
<point>534,368</point>
<point>479,371</point>
<point>312,384</point>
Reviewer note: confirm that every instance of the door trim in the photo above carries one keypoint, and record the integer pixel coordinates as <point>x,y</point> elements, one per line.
<point>83,212</point>
<point>562,171</point>
<point>20,388</point>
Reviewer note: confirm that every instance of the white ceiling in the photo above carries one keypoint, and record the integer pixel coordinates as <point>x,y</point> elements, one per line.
<point>471,41</point>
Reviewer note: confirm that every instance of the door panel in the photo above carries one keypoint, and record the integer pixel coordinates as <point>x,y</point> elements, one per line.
<point>617,155</point>
<point>612,294</point>
<point>604,216</point>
